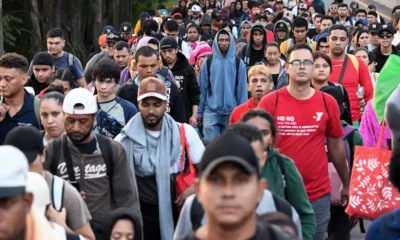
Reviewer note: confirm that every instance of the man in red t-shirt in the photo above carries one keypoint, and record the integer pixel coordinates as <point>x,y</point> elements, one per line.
<point>304,117</point>
<point>353,75</point>
<point>260,84</point>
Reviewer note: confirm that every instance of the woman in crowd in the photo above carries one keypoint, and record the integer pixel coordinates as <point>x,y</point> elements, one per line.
<point>362,39</point>
<point>275,63</point>
<point>62,77</point>
<point>201,50</point>
<point>354,38</point>
<point>123,225</point>
<point>51,113</point>
<point>281,173</point>
<point>363,54</point>
<point>193,35</point>
<point>321,73</point>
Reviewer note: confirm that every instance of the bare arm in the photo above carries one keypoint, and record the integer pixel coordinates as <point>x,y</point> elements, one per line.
<point>82,82</point>
<point>85,231</point>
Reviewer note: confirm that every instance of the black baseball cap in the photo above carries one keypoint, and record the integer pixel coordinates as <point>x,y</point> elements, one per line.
<point>374,27</point>
<point>168,43</point>
<point>229,148</point>
<point>388,28</point>
<point>28,139</point>
<point>337,94</point>
<point>113,37</point>
<point>125,27</point>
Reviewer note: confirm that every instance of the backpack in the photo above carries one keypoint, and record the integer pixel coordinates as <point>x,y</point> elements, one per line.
<point>106,151</point>
<point>279,160</point>
<point>197,211</point>
<point>290,42</point>
<point>209,61</point>
<point>333,175</point>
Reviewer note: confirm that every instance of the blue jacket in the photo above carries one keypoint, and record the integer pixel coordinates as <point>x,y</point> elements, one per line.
<point>222,98</point>
<point>392,231</point>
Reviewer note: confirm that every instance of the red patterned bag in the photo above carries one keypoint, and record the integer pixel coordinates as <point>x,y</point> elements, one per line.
<point>371,193</point>
<point>184,179</point>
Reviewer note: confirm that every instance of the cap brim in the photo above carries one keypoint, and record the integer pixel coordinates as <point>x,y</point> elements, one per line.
<point>31,155</point>
<point>8,192</point>
<point>228,159</point>
<point>152,94</point>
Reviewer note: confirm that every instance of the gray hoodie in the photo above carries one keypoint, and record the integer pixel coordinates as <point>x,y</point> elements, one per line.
<point>266,205</point>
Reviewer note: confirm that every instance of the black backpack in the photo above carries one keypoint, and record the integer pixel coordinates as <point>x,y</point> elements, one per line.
<point>197,211</point>
<point>209,61</point>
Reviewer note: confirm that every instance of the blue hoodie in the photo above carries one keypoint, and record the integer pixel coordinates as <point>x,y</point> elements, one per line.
<point>222,100</point>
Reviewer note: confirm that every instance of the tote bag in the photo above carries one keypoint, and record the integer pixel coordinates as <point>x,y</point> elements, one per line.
<point>371,193</point>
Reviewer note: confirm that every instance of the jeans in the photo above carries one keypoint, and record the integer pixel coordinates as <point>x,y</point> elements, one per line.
<point>213,124</point>
<point>321,209</point>
<point>339,225</point>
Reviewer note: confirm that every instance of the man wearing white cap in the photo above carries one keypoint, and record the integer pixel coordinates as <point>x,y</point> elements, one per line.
<point>94,164</point>
<point>18,219</point>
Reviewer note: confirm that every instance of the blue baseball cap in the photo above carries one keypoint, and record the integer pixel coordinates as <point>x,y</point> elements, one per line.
<point>164,12</point>
<point>107,29</point>
<point>144,15</point>
<point>363,21</point>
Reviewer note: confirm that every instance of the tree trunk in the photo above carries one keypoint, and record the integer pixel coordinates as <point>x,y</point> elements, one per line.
<point>36,28</point>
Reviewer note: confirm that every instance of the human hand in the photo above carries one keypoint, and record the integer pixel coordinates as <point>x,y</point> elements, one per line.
<point>344,196</point>
<point>193,121</point>
<point>58,217</point>
<point>181,199</point>
<point>3,110</point>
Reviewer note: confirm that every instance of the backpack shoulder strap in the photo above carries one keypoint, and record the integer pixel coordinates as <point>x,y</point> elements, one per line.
<point>384,227</point>
<point>70,61</point>
<point>55,155</point>
<point>282,206</point>
<point>57,193</point>
<point>355,62</point>
<point>106,151</point>
<point>196,214</point>
<point>36,108</point>
<point>326,107</point>
<point>288,44</point>
<point>237,60</point>
<point>209,61</point>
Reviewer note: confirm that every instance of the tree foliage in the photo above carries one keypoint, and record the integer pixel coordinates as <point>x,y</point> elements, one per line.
<point>26,22</point>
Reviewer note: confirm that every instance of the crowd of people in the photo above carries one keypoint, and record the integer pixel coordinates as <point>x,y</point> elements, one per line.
<point>212,120</point>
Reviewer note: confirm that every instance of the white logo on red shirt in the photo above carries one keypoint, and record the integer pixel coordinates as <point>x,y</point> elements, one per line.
<point>319,116</point>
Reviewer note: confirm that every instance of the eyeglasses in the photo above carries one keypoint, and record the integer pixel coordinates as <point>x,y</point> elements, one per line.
<point>298,63</point>
<point>387,35</point>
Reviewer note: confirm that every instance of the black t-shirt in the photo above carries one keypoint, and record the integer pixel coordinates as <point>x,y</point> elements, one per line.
<point>263,232</point>
<point>87,148</point>
<point>256,56</point>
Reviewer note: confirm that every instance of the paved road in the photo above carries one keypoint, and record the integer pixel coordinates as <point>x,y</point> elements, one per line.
<point>385,12</point>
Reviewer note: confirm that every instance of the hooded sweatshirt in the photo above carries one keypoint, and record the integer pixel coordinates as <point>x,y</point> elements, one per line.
<point>185,77</point>
<point>206,20</point>
<point>291,189</point>
<point>248,54</point>
<point>320,38</point>
<point>287,32</point>
<point>123,213</point>
<point>101,199</point>
<point>224,95</point>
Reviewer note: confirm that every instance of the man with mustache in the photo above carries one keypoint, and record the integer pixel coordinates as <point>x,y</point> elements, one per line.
<point>79,154</point>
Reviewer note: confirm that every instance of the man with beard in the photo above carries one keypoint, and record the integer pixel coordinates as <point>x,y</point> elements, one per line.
<point>62,59</point>
<point>308,149</point>
<point>185,77</point>
<point>253,52</point>
<point>347,69</point>
<point>381,54</point>
<point>153,140</point>
<point>42,69</point>
<point>121,54</point>
<point>343,17</point>
<point>17,106</point>
<point>147,65</point>
<point>105,180</point>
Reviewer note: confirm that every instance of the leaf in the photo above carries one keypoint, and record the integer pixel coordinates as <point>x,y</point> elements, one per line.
<point>387,193</point>
<point>385,171</point>
<point>373,164</point>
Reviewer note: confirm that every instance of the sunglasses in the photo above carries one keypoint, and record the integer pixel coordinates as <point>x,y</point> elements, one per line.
<point>387,35</point>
